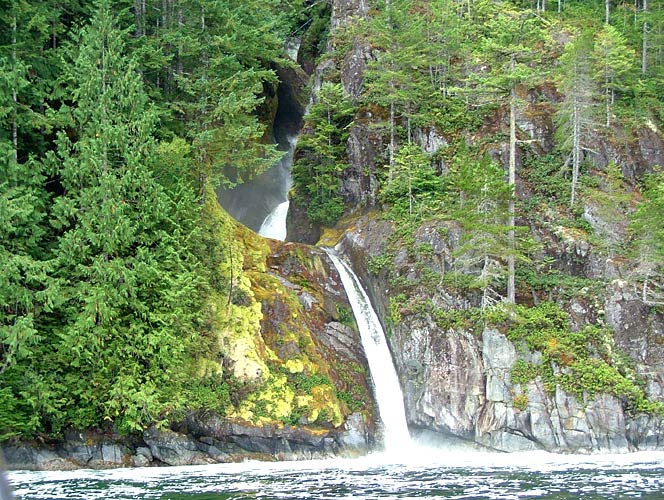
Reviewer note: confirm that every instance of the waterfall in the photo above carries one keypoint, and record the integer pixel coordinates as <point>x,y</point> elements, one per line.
<point>264,197</point>
<point>274,225</point>
<point>386,383</point>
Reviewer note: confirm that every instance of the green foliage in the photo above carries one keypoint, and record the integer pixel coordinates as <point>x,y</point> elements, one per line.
<point>523,372</point>
<point>320,154</point>
<point>351,399</point>
<point>587,360</point>
<point>520,402</point>
<point>316,31</point>
<point>377,263</point>
<point>560,285</point>
<point>346,316</point>
<point>648,241</point>
<point>305,383</point>
<point>544,173</point>
<point>412,183</point>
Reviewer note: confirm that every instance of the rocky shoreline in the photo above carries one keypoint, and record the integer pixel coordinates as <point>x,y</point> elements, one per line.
<point>200,439</point>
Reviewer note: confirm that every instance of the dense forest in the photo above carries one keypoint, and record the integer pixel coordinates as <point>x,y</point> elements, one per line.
<point>119,119</point>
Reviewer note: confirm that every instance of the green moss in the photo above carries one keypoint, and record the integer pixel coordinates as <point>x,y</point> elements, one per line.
<point>520,401</point>
<point>588,361</point>
<point>274,371</point>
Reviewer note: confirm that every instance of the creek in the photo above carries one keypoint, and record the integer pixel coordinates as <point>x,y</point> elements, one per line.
<point>407,468</point>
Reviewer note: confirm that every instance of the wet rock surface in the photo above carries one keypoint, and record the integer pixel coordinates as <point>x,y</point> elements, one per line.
<point>457,381</point>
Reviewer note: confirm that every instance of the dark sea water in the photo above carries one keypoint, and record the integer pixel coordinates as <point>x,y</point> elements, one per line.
<point>425,475</point>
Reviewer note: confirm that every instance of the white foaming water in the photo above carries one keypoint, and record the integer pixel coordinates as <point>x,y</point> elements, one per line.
<point>274,225</point>
<point>443,475</point>
<point>386,383</point>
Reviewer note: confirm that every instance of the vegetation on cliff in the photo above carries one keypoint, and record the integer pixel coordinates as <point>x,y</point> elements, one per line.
<point>516,131</point>
<point>127,296</point>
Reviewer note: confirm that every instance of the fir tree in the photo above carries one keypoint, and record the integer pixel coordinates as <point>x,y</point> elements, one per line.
<point>575,114</point>
<point>130,293</point>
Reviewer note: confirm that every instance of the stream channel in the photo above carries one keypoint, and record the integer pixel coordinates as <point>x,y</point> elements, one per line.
<point>406,469</point>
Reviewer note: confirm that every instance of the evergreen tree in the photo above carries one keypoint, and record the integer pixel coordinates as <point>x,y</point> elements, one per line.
<point>394,80</point>
<point>478,198</point>
<point>613,62</point>
<point>575,115</point>
<point>321,154</point>
<point>414,183</point>
<point>648,242</point>
<point>130,292</point>
<point>509,50</point>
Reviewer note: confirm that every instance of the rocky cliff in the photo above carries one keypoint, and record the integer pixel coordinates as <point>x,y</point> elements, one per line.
<point>464,377</point>
<point>580,367</point>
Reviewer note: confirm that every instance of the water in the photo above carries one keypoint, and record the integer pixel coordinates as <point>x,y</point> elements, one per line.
<point>254,201</point>
<point>387,390</point>
<point>274,225</point>
<point>435,474</point>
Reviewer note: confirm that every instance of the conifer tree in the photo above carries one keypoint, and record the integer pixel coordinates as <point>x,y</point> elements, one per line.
<point>509,43</point>
<point>321,154</point>
<point>414,183</point>
<point>613,62</point>
<point>575,115</point>
<point>129,288</point>
<point>648,242</point>
<point>478,198</point>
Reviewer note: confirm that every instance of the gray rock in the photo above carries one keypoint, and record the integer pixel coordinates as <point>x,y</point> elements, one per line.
<point>343,340</point>
<point>26,457</point>
<point>429,139</point>
<point>356,436</point>
<point>173,448</point>
<point>140,461</point>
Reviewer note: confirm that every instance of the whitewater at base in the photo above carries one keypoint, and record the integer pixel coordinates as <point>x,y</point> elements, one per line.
<point>430,474</point>
<point>274,225</point>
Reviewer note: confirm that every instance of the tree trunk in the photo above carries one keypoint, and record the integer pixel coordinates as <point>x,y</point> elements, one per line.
<point>391,85</point>
<point>576,149</point>
<point>607,95</point>
<point>392,136</point>
<point>139,17</point>
<point>644,54</point>
<point>511,282</point>
<point>607,9</point>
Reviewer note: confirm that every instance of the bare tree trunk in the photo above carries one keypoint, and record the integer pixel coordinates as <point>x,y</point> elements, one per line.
<point>180,48</point>
<point>14,92</point>
<point>391,85</point>
<point>607,9</point>
<point>511,281</point>
<point>576,149</point>
<point>607,94</point>
<point>139,17</point>
<point>392,138</point>
<point>644,55</point>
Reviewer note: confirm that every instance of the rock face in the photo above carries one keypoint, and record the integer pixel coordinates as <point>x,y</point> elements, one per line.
<point>202,438</point>
<point>298,359</point>
<point>457,378</point>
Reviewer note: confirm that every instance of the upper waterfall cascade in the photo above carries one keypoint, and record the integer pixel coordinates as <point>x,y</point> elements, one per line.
<point>262,203</point>
<point>274,225</point>
<point>386,383</point>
